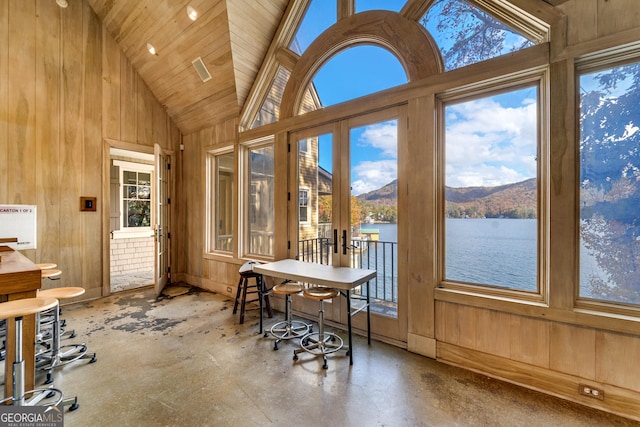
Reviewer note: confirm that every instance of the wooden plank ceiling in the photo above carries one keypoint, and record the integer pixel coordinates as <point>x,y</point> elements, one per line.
<point>231,38</point>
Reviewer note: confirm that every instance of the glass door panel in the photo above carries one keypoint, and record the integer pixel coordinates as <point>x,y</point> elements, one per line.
<point>373,203</point>
<point>375,146</point>
<point>313,205</point>
<point>315,198</point>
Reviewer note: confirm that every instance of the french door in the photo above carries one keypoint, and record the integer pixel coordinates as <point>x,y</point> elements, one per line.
<point>162,220</point>
<point>344,196</point>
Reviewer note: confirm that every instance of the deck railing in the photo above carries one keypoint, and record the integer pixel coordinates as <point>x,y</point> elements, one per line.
<point>370,254</point>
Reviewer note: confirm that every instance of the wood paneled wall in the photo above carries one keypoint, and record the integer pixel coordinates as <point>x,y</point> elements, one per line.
<point>553,357</point>
<point>65,87</point>
<point>594,19</point>
<point>207,272</point>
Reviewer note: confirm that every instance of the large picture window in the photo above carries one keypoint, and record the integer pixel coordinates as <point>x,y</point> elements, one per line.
<point>491,196</point>
<point>260,216</point>
<point>610,183</point>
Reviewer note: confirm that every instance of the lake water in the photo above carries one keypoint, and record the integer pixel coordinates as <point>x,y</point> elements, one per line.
<point>498,252</point>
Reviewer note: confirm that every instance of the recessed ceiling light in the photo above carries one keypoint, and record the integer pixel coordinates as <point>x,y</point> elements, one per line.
<point>151,49</point>
<point>62,3</point>
<point>193,14</point>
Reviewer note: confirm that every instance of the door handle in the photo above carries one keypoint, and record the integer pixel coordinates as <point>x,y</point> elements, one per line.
<point>335,240</point>
<point>344,242</point>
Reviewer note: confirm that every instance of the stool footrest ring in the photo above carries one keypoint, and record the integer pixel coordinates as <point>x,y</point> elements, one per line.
<point>285,330</point>
<point>39,397</point>
<point>326,343</point>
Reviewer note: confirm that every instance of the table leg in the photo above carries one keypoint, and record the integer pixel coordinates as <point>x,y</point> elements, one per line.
<point>260,286</point>
<point>348,295</point>
<point>368,316</point>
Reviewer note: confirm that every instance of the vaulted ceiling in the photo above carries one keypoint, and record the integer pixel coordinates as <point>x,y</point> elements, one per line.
<point>230,36</point>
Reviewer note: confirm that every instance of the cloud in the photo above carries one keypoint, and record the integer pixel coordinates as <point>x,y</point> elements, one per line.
<point>371,175</point>
<point>489,144</point>
<point>383,136</point>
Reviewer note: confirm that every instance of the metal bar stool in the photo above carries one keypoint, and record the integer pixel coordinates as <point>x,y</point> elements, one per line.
<point>17,309</point>
<point>60,355</point>
<point>320,343</point>
<point>262,296</point>
<point>288,328</point>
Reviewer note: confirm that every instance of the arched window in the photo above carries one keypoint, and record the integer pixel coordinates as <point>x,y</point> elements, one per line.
<point>357,72</point>
<point>459,32</point>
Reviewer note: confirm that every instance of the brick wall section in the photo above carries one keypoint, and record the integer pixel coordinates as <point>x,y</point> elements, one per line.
<point>132,255</point>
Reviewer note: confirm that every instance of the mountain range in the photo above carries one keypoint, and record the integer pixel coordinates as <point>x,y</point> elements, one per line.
<point>517,200</point>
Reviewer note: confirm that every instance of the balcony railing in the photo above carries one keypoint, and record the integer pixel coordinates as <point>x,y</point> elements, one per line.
<point>370,254</point>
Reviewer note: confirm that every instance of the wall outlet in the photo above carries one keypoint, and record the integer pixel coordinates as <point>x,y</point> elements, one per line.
<point>587,390</point>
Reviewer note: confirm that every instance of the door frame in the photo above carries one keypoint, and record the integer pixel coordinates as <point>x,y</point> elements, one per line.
<point>106,203</point>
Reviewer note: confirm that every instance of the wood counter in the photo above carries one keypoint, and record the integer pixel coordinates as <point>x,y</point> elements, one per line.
<point>19,278</point>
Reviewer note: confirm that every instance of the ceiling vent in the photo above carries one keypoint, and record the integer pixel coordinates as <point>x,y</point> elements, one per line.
<point>201,69</point>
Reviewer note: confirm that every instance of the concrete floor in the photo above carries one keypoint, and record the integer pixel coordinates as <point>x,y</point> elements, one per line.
<point>184,360</point>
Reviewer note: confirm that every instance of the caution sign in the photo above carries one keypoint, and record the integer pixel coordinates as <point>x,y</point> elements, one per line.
<point>19,221</point>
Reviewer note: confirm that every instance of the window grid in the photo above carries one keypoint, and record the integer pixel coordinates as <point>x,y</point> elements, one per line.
<point>136,199</point>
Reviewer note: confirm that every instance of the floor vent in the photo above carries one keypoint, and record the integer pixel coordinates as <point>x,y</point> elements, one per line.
<point>201,69</point>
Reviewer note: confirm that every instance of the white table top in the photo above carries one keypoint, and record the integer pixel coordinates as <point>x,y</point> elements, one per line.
<point>343,278</point>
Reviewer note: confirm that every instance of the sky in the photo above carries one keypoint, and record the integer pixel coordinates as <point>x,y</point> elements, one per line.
<point>489,141</point>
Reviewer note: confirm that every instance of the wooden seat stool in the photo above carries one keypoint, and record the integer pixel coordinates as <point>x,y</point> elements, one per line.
<point>288,328</point>
<point>17,309</point>
<point>320,343</point>
<point>61,355</point>
<point>46,266</point>
<point>259,289</point>
<point>51,273</point>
